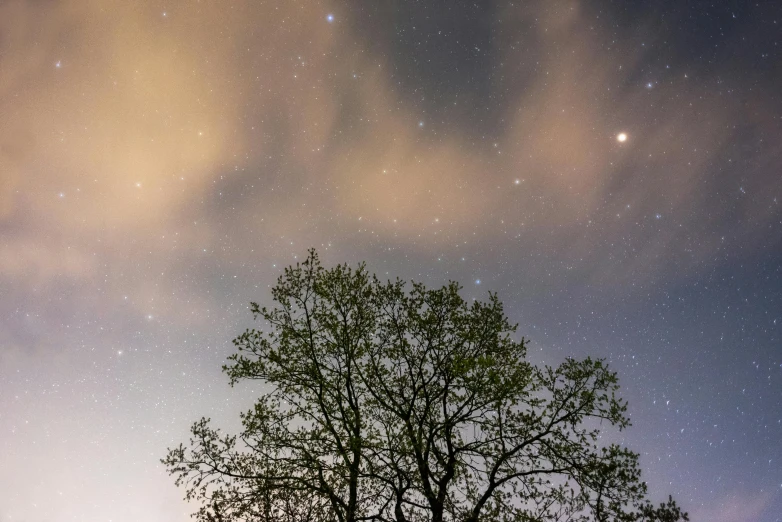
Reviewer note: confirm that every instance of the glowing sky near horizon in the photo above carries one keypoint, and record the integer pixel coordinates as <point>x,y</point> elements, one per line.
<point>160,163</point>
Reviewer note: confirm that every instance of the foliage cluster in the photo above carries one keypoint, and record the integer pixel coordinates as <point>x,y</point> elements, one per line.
<point>407,404</point>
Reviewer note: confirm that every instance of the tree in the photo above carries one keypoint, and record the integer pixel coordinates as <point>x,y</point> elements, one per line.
<point>394,403</point>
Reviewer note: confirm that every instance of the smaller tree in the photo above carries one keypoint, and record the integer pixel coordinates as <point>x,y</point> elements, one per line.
<point>390,404</point>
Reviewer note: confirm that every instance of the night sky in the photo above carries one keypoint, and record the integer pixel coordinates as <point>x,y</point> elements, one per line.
<point>613,169</point>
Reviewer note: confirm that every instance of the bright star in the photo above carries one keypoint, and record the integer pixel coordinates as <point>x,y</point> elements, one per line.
<point>329,18</point>
<point>621,137</point>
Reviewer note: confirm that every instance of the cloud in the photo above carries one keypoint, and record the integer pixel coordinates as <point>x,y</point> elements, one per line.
<point>35,262</point>
<point>104,101</point>
<point>119,124</point>
<point>735,507</point>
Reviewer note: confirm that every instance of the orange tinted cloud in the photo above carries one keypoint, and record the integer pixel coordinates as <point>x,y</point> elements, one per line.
<point>109,102</point>
<point>120,118</point>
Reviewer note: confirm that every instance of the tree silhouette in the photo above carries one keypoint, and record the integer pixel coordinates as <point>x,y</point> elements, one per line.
<point>394,403</point>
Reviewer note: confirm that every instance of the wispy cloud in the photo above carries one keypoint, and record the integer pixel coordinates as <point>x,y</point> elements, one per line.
<point>736,507</point>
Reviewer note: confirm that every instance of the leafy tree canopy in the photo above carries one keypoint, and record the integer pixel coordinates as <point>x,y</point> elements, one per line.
<point>389,402</point>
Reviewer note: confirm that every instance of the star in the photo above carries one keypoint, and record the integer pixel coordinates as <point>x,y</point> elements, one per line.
<point>329,18</point>
<point>621,137</point>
